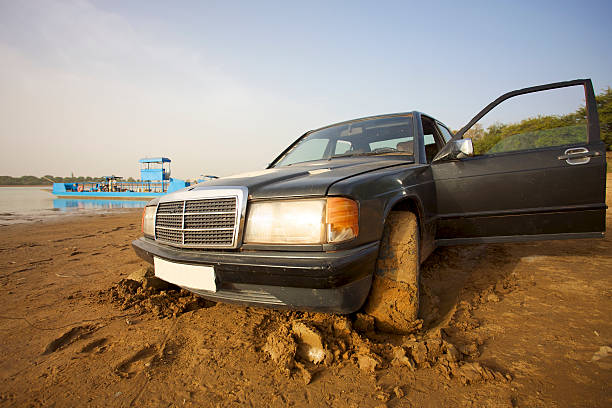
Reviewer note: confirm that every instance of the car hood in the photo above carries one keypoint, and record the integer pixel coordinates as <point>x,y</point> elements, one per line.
<point>307,179</point>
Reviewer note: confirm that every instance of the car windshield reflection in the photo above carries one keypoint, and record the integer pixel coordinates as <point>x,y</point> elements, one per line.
<point>366,137</point>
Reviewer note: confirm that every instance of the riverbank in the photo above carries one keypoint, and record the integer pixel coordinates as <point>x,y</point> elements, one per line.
<point>529,325</point>
<point>26,204</point>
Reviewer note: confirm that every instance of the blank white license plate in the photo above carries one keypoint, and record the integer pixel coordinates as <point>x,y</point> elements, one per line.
<point>189,276</point>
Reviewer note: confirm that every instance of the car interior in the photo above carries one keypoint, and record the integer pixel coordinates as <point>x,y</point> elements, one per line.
<point>393,136</point>
<point>431,138</point>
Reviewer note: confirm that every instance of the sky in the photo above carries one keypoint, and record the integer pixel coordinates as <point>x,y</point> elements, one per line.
<point>90,87</point>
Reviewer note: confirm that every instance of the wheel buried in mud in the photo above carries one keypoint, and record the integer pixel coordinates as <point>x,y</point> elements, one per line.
<point>394,297</point>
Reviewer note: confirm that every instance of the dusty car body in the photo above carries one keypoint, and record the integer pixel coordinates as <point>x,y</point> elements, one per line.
<point>204,238</point>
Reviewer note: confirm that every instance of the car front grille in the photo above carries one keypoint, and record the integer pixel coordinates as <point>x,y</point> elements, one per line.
<point>198,223</point>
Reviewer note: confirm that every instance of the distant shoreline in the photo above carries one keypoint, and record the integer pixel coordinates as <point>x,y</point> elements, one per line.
<point>26,185</point>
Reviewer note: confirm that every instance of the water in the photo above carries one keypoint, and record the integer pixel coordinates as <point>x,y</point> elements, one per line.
<point>25,204</point>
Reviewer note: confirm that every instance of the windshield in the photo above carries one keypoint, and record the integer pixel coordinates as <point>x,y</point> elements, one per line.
<point>386,135</point>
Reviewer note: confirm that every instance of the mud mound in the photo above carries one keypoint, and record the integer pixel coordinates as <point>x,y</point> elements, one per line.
<point>281,347</point>
<point>393,305</point>
<point>145,293</point>
<point>447,339</point>
<point>302,345</point>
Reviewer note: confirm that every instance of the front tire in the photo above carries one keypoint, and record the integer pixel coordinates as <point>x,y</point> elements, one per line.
<point>394,297</point>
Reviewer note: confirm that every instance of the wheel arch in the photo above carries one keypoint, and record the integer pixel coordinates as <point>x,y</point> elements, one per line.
<point>410,203</point>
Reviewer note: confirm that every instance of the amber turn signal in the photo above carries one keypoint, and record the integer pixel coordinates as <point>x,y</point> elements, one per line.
<point>342,219</point>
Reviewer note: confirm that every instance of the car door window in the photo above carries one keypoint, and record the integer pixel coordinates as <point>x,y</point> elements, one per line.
<point>532,121</point>
<point>446,134</point>
<point>429,138</point>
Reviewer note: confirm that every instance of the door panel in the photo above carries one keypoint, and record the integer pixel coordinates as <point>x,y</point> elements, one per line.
<point>545,192</point>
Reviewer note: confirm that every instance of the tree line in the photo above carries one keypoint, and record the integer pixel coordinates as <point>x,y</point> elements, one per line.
<point>47,180</point>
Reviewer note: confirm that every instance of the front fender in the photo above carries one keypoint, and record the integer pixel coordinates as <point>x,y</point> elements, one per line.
<point>409,187</point>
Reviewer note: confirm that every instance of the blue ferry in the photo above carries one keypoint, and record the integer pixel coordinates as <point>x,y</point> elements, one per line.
<point>154,181</point>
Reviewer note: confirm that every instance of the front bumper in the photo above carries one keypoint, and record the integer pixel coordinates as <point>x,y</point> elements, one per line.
<point>336,282</point>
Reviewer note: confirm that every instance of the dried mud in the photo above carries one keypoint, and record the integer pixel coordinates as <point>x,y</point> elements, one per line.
<point>304,344</point>
<point>314,341</point>
<point>142,292</point>
<point>394,305</point>
<point>515,325</point>
<point>394,297</point>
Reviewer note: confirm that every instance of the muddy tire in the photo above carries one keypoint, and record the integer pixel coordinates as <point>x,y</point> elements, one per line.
<point>394,297</point>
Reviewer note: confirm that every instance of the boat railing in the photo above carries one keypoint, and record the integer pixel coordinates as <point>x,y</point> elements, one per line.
<point>119,186</point>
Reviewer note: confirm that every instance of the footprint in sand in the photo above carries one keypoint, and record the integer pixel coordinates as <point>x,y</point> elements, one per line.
<point>72,335</point>
<point>136,363</point>
<point>98,345</point>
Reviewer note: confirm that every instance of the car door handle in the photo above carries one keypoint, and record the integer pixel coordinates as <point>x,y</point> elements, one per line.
<point>579,155</point>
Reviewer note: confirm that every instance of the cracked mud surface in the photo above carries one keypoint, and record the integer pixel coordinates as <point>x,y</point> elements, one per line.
<point>514,325</point>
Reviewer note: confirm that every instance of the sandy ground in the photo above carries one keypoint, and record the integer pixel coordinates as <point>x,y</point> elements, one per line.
<point>513,325</point>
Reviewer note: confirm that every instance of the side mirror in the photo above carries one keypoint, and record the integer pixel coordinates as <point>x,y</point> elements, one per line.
<point>455,149</point>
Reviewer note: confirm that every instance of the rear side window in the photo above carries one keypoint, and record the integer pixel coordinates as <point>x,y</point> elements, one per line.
<point>429,139</point>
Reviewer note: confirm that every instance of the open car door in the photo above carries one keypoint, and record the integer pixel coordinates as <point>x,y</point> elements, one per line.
<point>541,178</point>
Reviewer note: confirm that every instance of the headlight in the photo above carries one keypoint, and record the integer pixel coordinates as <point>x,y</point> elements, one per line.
<point>304,221</point>
<point>148,221</point>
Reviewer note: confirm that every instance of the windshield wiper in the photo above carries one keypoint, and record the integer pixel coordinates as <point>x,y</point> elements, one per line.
<point>380,150</point>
